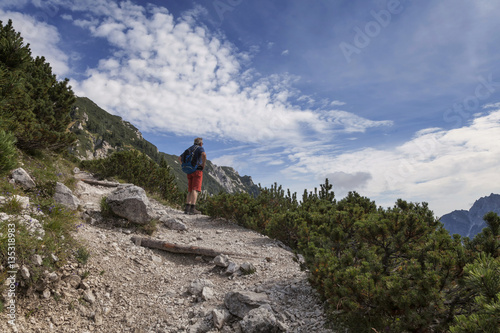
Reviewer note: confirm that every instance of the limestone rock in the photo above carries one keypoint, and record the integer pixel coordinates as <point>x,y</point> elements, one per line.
<point>20,176</point>
<point>25,273</point>
<point>258,320</point>
<point>173,223</point>
<point>37,259</point>
<point>88,295</point>
<point>196,286</point>
<point>241,302</point>
<point>221,260</point>
<point>65,197</point>
<point>130,202</point>
<point>220,317</point>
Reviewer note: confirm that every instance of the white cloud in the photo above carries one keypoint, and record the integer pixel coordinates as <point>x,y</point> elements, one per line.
<point>448,169</point>
<point>43,40</point>
<point>176,76</point>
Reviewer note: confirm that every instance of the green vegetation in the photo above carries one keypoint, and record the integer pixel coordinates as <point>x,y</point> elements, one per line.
<point>137,168</point>
<point>383,270</point>
<point>8,153</point>
<point>57,222</point>
<point>34,106</point>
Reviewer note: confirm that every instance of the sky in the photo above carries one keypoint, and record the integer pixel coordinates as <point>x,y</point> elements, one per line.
<point>389,98</point>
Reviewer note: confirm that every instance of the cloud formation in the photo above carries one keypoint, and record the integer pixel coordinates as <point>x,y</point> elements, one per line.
<point>176,76</point>
<point>443,167</point>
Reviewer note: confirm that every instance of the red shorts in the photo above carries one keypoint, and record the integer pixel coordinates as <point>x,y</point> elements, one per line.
<point>194,181</point>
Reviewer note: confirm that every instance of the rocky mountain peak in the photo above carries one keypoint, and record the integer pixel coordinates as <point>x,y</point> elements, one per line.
<point>468,223</point>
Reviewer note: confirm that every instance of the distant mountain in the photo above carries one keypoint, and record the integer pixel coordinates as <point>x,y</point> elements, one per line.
<point>470,223</point>
<point>99,134</point>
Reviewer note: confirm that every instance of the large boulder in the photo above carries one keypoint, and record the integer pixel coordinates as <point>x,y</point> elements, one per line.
<point>20,176</point>
<point>65,197</point>
<point>239,303</point>
<point>130,202</point>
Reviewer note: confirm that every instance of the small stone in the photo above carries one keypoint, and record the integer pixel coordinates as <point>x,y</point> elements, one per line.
<point>89,296</point>
<point>46,294</point>
<point>25,273</point>
<point>155,258</point>
<point>98,320</point>
<point>247,268</point>
<point>37,259</point>
<point>232,268</point>
<point>221,260</point>
<point>220,317</point>
<point>52,277</point>
<point>207,294</point>
<point>73,280</point>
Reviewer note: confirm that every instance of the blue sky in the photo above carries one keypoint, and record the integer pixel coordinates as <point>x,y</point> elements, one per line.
<point>389,98</point>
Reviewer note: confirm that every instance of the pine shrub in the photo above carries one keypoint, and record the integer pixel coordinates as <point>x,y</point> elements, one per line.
<point>8,154</point>
<point>381,270</point>
<point>137,168</point>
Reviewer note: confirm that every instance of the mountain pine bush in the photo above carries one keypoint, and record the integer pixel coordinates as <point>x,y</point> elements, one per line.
<point>381,270</point>
<point>8,155</point>
<point>137,168</point>
<point>34,106</point>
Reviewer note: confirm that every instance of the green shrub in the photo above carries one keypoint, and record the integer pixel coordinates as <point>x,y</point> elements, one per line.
<point>82,255</point>
<point>105,208</point>
<point>483,279</point>
<point>12,206</point>
<point>137,168</point>
<point>8,154</point>
<point>383,270</point>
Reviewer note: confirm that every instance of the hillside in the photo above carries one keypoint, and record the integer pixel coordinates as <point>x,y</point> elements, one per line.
<point>468,223</point>
<point>99,134</point>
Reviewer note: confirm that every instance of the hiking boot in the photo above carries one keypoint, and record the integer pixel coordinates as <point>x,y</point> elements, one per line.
<point>194,211</point>
<point>187,209</point>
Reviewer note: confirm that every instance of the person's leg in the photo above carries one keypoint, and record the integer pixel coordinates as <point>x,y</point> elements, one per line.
<point>187,208</point>
<point>194,197</point>
<point>196,188</point>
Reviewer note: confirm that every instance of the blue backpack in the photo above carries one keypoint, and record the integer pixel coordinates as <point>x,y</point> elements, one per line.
<point>188,163</point>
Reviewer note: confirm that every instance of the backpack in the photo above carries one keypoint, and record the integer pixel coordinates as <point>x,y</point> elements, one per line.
<point>188,163</point>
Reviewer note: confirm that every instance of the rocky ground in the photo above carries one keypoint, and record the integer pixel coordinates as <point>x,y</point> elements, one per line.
<point>125,287</point>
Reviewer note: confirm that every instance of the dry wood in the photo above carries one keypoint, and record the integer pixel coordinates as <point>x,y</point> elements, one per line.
<point>100,183</point>
<point>177,248</point>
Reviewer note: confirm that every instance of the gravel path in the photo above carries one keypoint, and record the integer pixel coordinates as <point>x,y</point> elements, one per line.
<point>129,288</point>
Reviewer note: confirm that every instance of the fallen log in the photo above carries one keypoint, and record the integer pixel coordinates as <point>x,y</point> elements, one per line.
<point>177,248</point>
<point>100,183</point>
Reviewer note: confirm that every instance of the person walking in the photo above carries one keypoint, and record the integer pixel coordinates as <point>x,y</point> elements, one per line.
<point>199,158</point>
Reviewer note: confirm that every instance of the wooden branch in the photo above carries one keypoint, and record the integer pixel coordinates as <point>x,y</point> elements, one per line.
<point>176,248</point>
<point>100,183</point>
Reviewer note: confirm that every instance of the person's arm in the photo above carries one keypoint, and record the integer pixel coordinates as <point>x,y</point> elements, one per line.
<point>203,159</point>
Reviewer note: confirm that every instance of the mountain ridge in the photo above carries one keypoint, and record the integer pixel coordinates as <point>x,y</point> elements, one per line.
<point>468,223</point>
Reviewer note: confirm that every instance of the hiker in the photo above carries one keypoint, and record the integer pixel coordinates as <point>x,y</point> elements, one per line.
<point>193,162</point>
